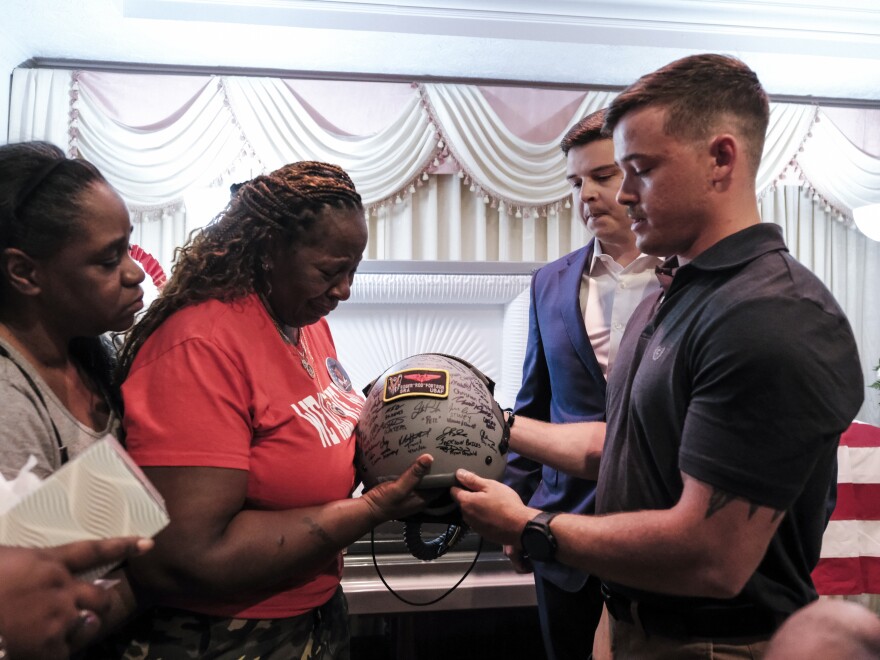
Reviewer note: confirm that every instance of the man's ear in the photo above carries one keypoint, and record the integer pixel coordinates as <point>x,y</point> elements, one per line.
<point>724,150</point>
<point>21,271</point>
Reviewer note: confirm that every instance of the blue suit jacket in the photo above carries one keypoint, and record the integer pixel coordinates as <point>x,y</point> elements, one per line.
<point>562,382</point>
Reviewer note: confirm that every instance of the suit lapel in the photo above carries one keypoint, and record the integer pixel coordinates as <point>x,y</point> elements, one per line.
<point>569,286</point>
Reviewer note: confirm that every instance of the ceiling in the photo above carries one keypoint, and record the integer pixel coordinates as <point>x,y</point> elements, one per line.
<point>801,49</point>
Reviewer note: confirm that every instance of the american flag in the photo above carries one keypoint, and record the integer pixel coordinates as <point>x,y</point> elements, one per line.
<point>850,559</point>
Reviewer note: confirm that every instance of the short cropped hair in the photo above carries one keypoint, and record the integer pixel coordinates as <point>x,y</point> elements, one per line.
<point>700,92</point>
<point>588,129</point>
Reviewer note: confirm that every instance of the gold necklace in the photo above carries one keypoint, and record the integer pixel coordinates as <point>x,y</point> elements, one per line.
<point>305,356</point>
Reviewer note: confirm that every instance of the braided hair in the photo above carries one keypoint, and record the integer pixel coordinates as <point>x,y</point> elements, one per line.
<point>223,261</point>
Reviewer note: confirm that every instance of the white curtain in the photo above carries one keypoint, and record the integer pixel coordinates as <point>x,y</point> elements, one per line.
<point>281,131</point>
<point>788,128</point>
<point>256,124</point>
<point>841,174</point>
<point>447,219</point>
<point>502,165</point>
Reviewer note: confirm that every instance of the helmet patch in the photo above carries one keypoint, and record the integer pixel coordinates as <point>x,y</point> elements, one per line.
<point>416,382</point>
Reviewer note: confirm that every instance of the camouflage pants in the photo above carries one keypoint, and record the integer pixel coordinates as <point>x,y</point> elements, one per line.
<point>169,634</point>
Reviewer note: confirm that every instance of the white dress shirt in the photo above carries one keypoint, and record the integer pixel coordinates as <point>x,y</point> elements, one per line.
<point>609,294</point>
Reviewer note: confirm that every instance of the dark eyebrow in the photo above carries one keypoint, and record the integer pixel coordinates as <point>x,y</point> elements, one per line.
<point>602,168</point>
<point>337,264</point>
<point>119,243</point>
<point>594,171</point>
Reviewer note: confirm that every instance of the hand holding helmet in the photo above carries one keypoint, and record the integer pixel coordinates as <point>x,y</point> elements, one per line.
<point>401,498</point>
<point>491,508</point>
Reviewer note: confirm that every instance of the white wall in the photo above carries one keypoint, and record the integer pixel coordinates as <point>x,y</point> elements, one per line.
<point>11,55</point>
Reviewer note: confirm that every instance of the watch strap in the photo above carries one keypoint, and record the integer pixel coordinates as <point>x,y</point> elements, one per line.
<point>541,524</point>
<point>543,519</point>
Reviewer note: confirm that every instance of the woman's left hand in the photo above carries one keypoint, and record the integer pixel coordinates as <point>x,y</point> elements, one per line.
<point>395,500</point>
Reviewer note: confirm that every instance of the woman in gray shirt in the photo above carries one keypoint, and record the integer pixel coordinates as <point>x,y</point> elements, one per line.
<point>65,279</point>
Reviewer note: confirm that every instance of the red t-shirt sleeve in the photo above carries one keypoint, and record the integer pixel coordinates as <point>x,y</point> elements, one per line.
<point>189,406</point>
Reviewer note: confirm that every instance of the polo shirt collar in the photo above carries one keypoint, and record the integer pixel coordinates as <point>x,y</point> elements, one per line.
<point>742,247</point>
<point>735,250</point>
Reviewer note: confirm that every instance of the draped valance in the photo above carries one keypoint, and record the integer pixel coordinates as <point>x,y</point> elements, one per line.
<point>391,137</point>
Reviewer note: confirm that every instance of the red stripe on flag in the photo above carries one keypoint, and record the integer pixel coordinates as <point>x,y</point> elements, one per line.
<point>857,502</point>
<point>844,576</point>
<point>861,435</point>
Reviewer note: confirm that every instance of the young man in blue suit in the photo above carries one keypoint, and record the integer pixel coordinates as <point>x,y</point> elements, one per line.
<point>580,305</point>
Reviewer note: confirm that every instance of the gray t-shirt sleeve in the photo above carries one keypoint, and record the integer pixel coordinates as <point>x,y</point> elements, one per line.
<point>25,427</point>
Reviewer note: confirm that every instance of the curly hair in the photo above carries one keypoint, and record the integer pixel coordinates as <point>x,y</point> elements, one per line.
<point>223,261</point>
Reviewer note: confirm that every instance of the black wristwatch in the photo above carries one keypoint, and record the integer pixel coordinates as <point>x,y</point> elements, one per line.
<point>537,540</point>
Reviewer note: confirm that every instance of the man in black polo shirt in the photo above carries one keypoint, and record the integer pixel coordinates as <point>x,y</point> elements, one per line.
<point>738,380</point>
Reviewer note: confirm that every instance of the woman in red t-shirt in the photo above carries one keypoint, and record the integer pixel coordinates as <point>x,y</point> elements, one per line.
<point>240,413</point>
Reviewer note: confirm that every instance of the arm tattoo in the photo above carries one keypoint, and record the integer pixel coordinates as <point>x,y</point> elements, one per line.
<point>717,501</point>
<point>720,499</point>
